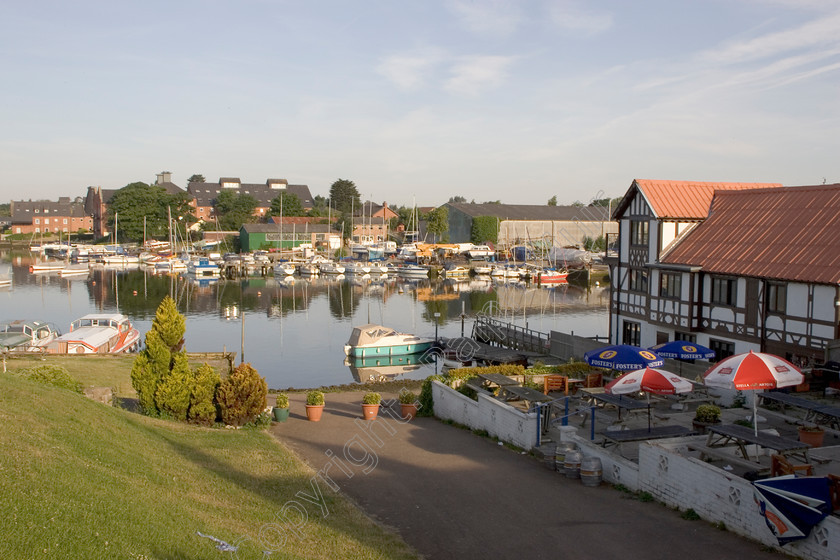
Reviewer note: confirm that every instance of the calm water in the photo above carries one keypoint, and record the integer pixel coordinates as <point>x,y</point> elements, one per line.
<point>295,331</point>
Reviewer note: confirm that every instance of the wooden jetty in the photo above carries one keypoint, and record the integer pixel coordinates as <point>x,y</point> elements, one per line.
<point>492,331</point>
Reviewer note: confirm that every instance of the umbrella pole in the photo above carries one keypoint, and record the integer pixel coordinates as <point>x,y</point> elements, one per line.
<point>648,400</point>
<point>754,419</point>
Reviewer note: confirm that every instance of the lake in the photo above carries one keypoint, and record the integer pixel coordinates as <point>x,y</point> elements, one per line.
<point>295,331</point>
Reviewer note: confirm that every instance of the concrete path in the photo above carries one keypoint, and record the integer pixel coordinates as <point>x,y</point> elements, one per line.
<point>451,494</point>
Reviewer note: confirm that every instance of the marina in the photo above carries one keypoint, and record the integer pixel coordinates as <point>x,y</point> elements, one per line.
<point>295,327</point>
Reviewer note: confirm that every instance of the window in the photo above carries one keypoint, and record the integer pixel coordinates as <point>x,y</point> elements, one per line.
<point>632,333</point>
<point>638,280</point>
<point>38,221</point>
<point>724,291</point>
<point>776,297</point>
<point>65,221</point>
<point>46,220</point>
<point>685,337</point>
<point>722,349</point>
<point>639,233</point>
<point>670,285</point>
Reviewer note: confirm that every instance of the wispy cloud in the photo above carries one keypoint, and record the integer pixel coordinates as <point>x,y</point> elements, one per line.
<point>816,33</point>
<point>571,16</point>
<point>473,74</point>
<point>488,17</point>
<point>411,70</point>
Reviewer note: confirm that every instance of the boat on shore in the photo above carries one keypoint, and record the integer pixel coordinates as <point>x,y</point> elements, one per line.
<point>26,336</point>
<point>97,333</point>
<point>377,340</point>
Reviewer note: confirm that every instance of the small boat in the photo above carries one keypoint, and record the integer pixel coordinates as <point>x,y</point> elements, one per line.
<point>203,266</point>
<point>5,275</point>
<point>480,252</point>
<point>284,268</point>
<point>97,333</point>
<point>482,270</point>
<point>456,271</point>
<point>309,269</point>
<point>376,340</point>
<point>47,266</point>
<point>414,271</point>
<point>357,267</point>
<point>121,259</point>
<point>550,276</point>
<point>26,336</point>
<point>331,267</point>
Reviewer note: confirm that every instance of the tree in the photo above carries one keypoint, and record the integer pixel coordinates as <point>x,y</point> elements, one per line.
<point>286,204</point>
<point>234,209</point>
<point>457,199</point>
<point>345,196</point>
<point>203,396</point>
<point>438,221</point>
<point>5,209</point>
<point>140,209</point>
<point>242,396</point>
<point>484,229</point>
<point>552,201</point>
<point>196,178</point>
<point>320,206</point>
<point>153,366</point>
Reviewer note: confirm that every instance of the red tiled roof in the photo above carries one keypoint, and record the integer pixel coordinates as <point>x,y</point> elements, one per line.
<point>787,233</point>
<point>686,199</point>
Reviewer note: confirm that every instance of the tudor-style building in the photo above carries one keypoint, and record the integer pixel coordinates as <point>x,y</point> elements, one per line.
<point>732,266</point>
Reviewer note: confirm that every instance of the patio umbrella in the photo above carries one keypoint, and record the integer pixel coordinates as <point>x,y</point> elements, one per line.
<point>682,350</point>
<point>649,380</point>
<point>753,371</point>
<point>792,506</point>
<point>622,357</point>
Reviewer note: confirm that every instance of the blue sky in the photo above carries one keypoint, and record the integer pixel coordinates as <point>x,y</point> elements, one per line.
<point>419,100</point>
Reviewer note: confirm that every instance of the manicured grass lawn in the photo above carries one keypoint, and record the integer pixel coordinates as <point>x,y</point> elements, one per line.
<point>82,480</point>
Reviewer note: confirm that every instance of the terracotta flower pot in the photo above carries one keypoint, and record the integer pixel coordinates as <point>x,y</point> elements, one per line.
<point>314,412</point>
<point>408,411</point>
<point>814,438</point>
<point>370,411</point>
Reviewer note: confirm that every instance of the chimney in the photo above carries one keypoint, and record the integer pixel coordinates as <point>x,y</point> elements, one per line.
<point>164,177</point>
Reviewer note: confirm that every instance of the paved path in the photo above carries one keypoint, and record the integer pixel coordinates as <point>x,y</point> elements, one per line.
<point>453,495</point>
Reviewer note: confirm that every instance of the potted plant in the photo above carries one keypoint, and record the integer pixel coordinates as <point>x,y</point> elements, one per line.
<point>314,405</point>
<point>370,405</point>
<point>812,435</point>
<point>408,404</point>
<point>704,416</point>
<point>281,407</point>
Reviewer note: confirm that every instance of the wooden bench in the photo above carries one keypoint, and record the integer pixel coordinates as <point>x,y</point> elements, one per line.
<point>779,465</point>
<point>556,384</point>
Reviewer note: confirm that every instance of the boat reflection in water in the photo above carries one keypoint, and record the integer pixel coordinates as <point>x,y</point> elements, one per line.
<point>387,368</point>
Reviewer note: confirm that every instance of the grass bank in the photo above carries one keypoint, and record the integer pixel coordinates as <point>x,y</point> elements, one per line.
<point>83,480</point>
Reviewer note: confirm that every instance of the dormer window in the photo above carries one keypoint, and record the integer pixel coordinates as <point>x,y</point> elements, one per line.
<point>36,210</point>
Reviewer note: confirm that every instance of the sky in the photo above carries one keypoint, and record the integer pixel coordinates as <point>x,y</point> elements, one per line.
<point>417,101</point>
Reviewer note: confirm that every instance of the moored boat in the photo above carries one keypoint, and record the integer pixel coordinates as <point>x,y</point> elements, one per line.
<point>551,276</point>
<point>377,340</point>
<point>284,268</point>
<point>77,269</point>
<point>97,333</point>
<point>26,336</point>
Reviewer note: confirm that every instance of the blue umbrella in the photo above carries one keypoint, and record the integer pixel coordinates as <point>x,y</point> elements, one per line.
<point>622,357</point>
<point>792,506</point>
<point>682,350</point>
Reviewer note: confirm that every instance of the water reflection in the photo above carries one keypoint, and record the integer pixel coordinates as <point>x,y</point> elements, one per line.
<point>295,328</point>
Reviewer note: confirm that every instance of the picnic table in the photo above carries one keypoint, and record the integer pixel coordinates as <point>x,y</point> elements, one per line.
<point>816,412</point>
<point>620,402</point>
<point>617,437</point>
<point>724,435</point>
<point>530,396</point>
<point>497,379</point>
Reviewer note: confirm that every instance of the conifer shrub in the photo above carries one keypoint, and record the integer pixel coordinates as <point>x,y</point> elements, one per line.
<point>427,401</point>
<point>242,396</point>
<point>203,398</point>
<point>172,396</point>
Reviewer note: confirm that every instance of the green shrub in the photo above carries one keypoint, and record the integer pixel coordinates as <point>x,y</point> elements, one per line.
<point>707,413</point>
<point>372,398</point>
<point>242,396</point>
<point>54,375</point>
<point>202,400</point>
<point>172,395</point>
<point>427,401</point>
<point>315,398</point>
<point>407,397</point>
<point>282,401</point>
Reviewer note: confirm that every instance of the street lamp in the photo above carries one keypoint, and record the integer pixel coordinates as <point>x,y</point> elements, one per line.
<point>437,317</point>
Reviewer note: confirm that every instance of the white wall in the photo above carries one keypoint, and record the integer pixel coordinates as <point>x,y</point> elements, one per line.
<point>499,419</point>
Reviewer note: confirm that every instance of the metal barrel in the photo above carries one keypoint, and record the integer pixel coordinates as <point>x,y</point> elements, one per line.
<point>591,471</point>
<point>571,465</point>
<point>560,454</point>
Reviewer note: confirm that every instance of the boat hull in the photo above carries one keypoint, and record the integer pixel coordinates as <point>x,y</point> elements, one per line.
<point>389,350</point>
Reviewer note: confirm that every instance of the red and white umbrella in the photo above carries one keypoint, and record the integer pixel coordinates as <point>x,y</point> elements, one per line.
<point>753,371</point>
<point>650,380</point>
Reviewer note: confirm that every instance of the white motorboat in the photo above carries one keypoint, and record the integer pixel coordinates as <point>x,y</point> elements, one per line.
<point>97,333</point>
<point>332,267</point>
<point>376,340</point>
<point>284,268</point>
<point>26,336</point>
